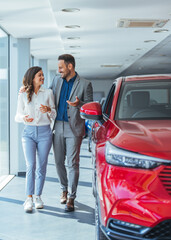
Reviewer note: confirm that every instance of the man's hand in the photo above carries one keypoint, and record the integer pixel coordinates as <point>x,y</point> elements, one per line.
<point>74,104</point>
<point>45,109</point>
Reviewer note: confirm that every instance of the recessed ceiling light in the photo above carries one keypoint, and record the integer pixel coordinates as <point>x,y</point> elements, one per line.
<point>72,26</point>
<point>74,46</point>
<point>75,52</point>
<point>147,41</point>
<point>138,49</point>
<point>161,30</point>
<point>73,38</point>
<point>70,10</point>
<point>111,65</point>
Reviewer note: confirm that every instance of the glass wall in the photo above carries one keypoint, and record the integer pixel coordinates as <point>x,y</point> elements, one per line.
<point>4,109</point>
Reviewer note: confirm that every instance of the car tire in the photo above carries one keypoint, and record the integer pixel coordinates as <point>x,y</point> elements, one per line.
<point>99,235</point>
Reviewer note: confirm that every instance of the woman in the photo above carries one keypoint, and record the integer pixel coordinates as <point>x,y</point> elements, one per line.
<point>35,109</point>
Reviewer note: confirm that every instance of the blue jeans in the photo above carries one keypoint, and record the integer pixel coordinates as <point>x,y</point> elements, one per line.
<point>36,139</point>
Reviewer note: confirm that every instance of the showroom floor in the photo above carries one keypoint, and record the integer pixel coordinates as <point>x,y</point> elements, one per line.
<point>52,222</point>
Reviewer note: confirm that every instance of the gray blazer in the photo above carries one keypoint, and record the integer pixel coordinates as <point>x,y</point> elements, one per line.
<point>82,88</point>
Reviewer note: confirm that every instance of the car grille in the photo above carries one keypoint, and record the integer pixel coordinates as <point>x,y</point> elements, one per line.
<point>162,231</point>
<point>165,177</point>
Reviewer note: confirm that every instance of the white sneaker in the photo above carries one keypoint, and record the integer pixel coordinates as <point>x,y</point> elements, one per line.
<point>38,202</point>
<point>28,204</point>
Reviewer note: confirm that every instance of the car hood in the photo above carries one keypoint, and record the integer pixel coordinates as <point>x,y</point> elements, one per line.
<point>147,137</point>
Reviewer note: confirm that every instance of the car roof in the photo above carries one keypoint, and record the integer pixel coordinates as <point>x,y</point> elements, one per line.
<point>147,77</point>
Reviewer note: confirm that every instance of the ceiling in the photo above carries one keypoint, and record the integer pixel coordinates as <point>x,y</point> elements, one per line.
<point>102,48</point>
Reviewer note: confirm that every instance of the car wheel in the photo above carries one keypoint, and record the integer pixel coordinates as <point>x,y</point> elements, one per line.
<point>99,234</point>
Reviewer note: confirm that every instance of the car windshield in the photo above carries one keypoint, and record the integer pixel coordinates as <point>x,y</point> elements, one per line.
<point>144,100</point>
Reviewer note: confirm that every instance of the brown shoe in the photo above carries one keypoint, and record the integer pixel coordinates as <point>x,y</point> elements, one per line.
<point>64,197</point>
<point>70,205</point>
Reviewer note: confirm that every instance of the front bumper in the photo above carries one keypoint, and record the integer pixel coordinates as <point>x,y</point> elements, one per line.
<point>119,230</point>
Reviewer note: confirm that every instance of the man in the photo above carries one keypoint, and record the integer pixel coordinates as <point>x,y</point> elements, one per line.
<point>71,92</point>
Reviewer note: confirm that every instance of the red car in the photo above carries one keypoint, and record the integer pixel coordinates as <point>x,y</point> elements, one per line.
<point>131,153</point>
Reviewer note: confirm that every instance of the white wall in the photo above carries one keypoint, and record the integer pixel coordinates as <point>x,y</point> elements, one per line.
<point>101,86</point>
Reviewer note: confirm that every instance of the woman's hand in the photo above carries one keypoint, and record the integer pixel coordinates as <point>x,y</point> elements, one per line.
<point>45,109</point>
<point>27,119</point>
<point>22,89</point>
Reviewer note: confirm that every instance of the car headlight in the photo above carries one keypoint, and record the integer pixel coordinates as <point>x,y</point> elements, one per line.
<point>120,157</point>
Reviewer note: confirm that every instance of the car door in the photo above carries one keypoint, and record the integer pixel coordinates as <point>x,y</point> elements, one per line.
<point>99,132</point>
<point>99,127</point>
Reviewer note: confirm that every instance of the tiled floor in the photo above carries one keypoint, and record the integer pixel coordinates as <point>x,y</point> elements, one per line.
<point>52,222</point>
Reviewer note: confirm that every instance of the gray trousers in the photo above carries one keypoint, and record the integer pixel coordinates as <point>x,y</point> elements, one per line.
<point>66,146</point>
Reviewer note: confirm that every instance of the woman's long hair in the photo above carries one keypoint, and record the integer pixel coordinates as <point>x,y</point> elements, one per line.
<point>28,81</point>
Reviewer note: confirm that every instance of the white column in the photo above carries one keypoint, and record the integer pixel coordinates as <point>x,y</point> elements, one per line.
<point>43,65</point>
<point>51,75</point>
<point>36,62</point>
<point>19,63</point>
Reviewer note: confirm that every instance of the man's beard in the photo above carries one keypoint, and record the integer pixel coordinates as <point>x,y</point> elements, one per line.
<point>65,75</point>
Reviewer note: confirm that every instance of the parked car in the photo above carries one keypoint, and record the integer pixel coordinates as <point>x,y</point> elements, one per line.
<point>131,153</point>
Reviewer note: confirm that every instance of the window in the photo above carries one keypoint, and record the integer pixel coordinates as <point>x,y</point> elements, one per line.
<point>4,126</point>
<point>108,103</point>
<point>145,100</point>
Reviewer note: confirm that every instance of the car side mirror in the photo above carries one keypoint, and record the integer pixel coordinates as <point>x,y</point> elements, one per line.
<point>91,110</point>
